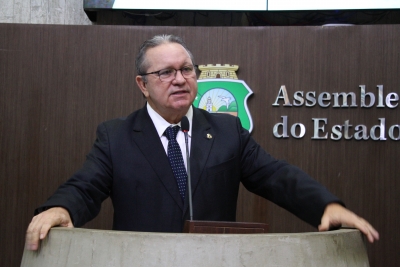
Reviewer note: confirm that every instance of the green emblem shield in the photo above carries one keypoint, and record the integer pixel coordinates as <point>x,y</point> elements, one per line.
<point>225,96</point>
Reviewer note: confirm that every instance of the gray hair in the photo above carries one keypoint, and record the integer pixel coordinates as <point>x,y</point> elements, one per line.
<point>140,62</point>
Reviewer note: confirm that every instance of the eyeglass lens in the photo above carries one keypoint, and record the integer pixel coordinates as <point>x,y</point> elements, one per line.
<point>170,74</point>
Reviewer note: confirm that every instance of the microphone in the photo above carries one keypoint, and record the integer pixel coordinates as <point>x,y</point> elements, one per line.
<point>185,129</point>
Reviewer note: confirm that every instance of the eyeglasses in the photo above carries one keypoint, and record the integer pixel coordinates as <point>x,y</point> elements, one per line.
<point>167,75</point>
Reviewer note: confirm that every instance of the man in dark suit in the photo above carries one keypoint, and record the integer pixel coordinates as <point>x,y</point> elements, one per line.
<point>129,163</point>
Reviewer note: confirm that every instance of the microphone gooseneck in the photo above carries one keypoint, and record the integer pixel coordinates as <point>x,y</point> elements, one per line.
<point>185,129</point>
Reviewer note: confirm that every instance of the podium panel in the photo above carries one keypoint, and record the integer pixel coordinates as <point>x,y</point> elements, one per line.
<point>217,227</point>
<point>86,247</point>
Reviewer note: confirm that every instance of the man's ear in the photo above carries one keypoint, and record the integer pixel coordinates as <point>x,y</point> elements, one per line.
<point>142,85</point>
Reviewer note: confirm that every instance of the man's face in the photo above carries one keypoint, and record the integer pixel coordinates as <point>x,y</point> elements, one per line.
<point>169,99</point>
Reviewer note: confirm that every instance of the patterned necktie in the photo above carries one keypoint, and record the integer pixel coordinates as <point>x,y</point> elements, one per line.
<point>176,160</point>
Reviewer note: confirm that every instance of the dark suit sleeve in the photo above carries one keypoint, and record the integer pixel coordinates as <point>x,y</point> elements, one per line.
<point>282,183</point>
<point>84,192</point>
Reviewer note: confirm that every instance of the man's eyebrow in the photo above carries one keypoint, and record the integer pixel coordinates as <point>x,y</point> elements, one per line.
<point>181,66</point>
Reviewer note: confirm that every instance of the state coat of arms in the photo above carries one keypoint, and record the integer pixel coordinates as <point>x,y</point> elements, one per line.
<point>220,91</point>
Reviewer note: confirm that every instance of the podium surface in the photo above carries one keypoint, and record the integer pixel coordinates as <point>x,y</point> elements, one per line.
<point>87,247</point>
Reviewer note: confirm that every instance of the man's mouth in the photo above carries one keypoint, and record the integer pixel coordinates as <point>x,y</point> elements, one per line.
<point>179,92</point>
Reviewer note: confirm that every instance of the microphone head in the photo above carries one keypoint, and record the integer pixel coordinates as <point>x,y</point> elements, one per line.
<point>185,124</point>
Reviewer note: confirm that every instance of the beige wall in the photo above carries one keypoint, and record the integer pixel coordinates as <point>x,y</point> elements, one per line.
<point>43,12</point>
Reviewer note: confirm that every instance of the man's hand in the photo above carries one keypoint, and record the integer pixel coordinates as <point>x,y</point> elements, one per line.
<point>41,224</point>
<point>336,215</point>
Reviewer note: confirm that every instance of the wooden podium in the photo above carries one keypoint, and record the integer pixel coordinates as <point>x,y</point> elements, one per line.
<point>215,227</point>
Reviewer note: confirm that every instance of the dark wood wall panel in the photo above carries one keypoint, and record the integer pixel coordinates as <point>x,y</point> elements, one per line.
<point>57,83</point>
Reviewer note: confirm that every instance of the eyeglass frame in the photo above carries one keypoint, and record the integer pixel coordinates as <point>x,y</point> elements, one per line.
<point>195,67</point>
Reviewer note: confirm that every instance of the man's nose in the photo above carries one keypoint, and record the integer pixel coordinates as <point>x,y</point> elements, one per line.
<point>179,77</point>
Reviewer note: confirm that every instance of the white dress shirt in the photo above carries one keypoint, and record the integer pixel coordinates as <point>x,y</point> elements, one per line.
<point>161,125</point>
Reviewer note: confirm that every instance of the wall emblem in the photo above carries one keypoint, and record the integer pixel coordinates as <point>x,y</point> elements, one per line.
<point>220,91</point>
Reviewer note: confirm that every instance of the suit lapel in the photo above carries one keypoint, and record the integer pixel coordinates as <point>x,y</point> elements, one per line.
<point>145,136</point>
<point>201,143</point>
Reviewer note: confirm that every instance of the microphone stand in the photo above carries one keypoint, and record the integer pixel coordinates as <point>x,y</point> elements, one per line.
<point>189,177</point>
<point>192,226</point>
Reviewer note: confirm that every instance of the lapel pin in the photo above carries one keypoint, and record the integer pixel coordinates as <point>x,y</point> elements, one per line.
<point>209,136</point>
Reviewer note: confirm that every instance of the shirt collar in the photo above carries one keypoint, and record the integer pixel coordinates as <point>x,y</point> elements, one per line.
<point>161,124</point>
